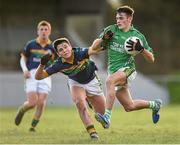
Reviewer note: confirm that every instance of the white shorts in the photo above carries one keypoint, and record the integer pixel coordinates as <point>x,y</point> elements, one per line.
<point>130,77</point>
<point>93,88</point>
<point>40,86</point>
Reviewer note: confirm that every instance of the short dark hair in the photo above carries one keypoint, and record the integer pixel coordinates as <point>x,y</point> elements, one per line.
<point>125,9</point>
<point>60,41</point>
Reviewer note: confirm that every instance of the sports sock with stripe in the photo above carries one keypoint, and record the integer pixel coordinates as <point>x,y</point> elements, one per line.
<point>90,129</point>
<point>34,123</point>
<point>108,113</point>
<point>152,104</point>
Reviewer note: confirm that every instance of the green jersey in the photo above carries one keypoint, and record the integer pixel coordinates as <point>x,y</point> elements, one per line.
<point>117,56</point>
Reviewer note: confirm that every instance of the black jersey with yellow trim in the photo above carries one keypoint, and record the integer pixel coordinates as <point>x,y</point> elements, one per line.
<point>82,69</point>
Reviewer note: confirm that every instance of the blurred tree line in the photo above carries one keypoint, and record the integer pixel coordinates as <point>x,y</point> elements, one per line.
<point>159,21</point>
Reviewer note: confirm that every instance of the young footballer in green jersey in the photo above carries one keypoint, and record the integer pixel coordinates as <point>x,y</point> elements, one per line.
<point>121,65</point>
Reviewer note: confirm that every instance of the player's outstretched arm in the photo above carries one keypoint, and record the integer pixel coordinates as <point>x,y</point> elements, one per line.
<point>40,72</point>
<point>95,47</point>
<point>148,56</point>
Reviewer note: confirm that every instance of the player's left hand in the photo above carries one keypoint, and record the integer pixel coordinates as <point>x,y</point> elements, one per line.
<point>135,45</point>
<point>108,35</point>
<point>45,59</point>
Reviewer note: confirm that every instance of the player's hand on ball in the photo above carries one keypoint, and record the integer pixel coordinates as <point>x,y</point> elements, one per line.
<point>135,46</point>
<point>108,35</point>
<point>45,59</point>
<point>138,46</point>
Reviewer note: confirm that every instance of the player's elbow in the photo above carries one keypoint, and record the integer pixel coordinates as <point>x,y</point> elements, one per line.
<point>152,60</point>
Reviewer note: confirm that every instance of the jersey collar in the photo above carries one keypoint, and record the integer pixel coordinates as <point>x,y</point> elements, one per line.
<point>130,29</point>
<point>44,43</point>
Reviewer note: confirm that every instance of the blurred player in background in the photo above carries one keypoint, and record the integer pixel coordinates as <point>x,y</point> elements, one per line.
<point>83,80</point>
<point>36,91</point>
<point>121,66</point>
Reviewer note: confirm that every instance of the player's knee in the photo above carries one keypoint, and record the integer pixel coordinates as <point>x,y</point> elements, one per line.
<point>129,108</point>
<point>80,103</point>
<point>41,101</point>
<point>109,81</point>
<point>32,104</point>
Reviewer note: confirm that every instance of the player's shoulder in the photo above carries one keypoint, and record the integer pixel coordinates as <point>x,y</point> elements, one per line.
<point>31,42</point>
<point>50,43</point>
<point>76,49</point>
<point>135,30</point>
<point>80,52</point>
<point>79,49</point>
<point>137,33</point>
<point>50,46</point>
<point>112,27</point>
<point>57,61</point>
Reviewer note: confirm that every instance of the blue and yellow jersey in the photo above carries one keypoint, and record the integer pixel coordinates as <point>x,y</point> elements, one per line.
<point>80,69</point>
<point>34,50</point>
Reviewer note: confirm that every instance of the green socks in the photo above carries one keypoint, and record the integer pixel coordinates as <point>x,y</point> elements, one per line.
<point>108,113</point>
<point>152,104</point>
<point>34,123</point>
<point>21,109</point>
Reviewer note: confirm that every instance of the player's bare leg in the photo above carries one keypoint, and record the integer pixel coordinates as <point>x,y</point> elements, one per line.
<point>113,80</point>
<point>124,97</point>
<point>98,103</point>
<point>42,97</point>
<point>79,98</point>
<point>29,104</point>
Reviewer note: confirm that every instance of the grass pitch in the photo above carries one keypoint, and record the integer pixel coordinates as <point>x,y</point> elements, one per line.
<point>63,126</point>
